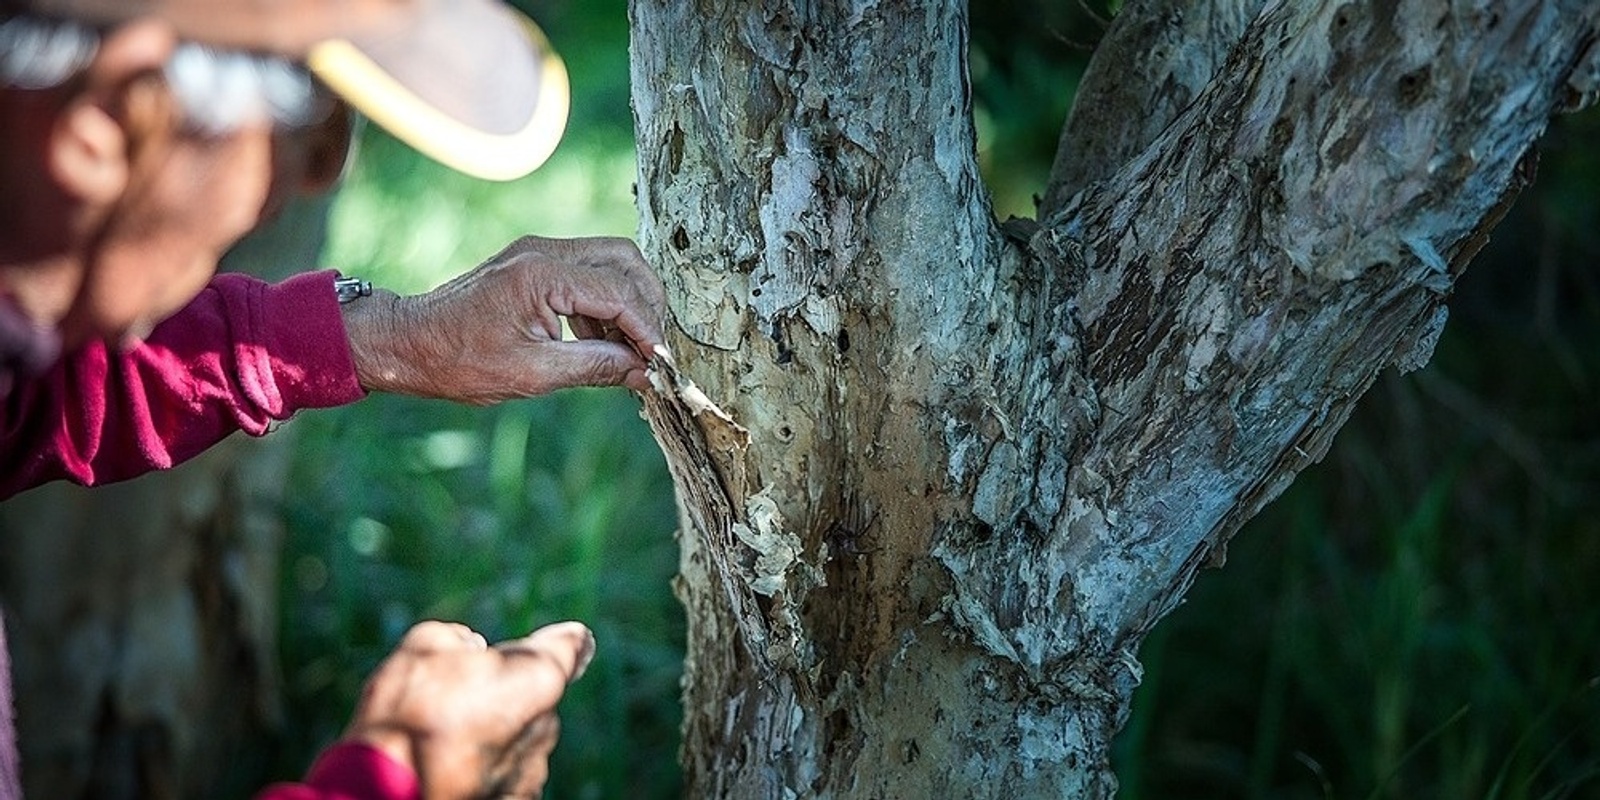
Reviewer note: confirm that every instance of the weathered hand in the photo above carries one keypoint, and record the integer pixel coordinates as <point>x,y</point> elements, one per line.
<point>472,720</point>
<point>494,333</point>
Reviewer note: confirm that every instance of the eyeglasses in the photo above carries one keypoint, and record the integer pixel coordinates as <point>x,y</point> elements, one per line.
<point>218,90</point>
<point>221,90</point>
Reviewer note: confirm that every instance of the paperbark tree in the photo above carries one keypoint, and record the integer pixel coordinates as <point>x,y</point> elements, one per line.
<point>941,475</point>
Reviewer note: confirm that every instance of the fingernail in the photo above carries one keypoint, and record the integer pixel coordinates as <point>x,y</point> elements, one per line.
<point>585,636</point>
<point>585,655</point>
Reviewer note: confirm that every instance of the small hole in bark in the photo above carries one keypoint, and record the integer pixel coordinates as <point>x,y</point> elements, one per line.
<point>1412,86</point>
<point>675,150</point>
<point>785,354</point>
<point>836,727</point>
<point>680,239</point>
<point>844,341</point>
<point>1343,19</point>
<point>785,434</point>
<point>910,752</point>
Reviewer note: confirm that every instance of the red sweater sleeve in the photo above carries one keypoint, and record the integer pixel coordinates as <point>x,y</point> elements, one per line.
<point>241,355</point>
<point>350,772</point>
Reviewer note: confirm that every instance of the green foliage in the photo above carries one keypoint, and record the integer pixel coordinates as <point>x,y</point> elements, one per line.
<point>1362,652</point>
<point>1025,62</point>
<point>504,518</point>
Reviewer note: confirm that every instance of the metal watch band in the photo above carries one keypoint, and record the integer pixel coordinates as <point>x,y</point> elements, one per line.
<point>348,289</point>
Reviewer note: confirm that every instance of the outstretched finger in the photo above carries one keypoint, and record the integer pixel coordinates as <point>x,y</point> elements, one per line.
<point>585,362</point>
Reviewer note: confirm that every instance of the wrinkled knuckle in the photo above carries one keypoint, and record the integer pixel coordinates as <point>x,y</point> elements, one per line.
<point>624,250</point>
<point>513,249</point>
<point>525,250</point>
<point>428,628</point>
<point>430,635</point>
<point>600,370</point>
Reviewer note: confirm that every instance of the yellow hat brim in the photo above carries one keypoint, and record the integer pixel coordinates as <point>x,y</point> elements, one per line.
<point>367,87</point>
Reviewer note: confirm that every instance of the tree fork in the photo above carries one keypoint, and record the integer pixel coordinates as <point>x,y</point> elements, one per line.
<point>957,474</point>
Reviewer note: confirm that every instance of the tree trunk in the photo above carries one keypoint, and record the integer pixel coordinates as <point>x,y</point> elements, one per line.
<point>143,615</point>
<point>958,469</point>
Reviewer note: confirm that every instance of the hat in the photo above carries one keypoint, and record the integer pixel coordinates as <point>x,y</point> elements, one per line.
<point>470,83</point>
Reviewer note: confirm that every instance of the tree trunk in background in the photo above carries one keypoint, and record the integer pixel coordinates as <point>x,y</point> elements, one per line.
<point>960,469</point>
<point>142,616</point>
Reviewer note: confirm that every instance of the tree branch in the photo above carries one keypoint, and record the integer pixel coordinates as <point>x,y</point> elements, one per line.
<point>1154,60</point>
<point>1335,182</point>
<point>1240,283</point>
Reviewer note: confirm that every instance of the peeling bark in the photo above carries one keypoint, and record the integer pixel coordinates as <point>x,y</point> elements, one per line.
<point>1156,57</point>
<point>952,475</point>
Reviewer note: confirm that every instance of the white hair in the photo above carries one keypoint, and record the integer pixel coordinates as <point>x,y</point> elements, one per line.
<point>39,54</point>
<point>218,90</point>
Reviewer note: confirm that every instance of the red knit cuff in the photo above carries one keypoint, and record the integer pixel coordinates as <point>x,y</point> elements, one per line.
<point>305,338</point>
<point>362,772</point>
<point>350,771</point>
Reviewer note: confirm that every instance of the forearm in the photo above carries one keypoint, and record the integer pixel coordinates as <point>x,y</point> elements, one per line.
<point>242,355</point>
<point>385,354</point>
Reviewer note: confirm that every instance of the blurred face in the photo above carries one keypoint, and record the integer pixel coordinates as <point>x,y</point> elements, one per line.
<point>131,205</point>
<point>190,198</point>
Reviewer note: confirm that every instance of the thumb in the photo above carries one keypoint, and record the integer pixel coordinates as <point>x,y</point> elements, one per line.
<point>566,646</point>
<point>586,362</point>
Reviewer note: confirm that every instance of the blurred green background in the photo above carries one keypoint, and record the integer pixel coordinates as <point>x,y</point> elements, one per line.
<point>503,518</point>
<point>1417,617</point>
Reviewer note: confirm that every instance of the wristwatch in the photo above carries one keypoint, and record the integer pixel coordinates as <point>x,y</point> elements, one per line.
<point>348,289</point>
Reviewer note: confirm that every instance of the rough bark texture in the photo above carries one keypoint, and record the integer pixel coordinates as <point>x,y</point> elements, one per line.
<point>143,615</point>
<point>939,480</point>
<point>1156,57</point>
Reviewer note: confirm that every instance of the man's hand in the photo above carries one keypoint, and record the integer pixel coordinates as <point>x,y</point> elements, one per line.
<point>472,720</point>
<point>494,333</point>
